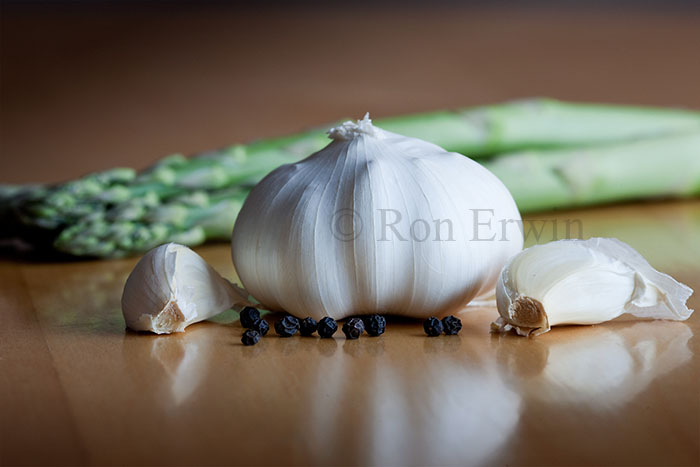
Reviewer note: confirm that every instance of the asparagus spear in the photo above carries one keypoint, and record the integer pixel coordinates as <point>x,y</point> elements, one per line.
<point>144,223</point>
<point>95,204</point>
<point>10,197</point>
<point>477,132</point>
<point>537,179</point>
<point>517,125</point>
<point>667,166</point>
<point>540,124</point>
<point>66,204</point>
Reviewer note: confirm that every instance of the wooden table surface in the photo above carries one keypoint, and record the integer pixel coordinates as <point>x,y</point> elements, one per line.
<point>85,92</point>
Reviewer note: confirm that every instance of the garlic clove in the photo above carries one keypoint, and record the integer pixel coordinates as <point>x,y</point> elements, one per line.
<point>583,282</point>
<point>172,287</point>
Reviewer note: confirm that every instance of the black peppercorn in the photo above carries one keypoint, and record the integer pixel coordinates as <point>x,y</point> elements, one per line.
<point>375,325</point>
<point>432,326</point>
<point>353,328</point>
<point>250,337</point>
<point>452,325</point>
<point>261,326</point>
<point>327,327</point>
<point>308,326</point>
<point>287,326</point>
<point>248,316</point>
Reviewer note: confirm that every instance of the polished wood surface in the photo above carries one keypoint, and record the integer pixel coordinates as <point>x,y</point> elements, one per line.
<point>84,92</point>
<point>78,388</point>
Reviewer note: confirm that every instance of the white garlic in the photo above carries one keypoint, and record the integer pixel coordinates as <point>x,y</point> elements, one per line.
<point>172,287</point>
<point>375,222</point>
<point>583,282</point>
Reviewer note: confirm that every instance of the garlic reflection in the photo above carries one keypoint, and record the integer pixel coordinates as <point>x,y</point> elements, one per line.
<point>456,415</point>
<point>435,410</point>
<point>326,393</point>
<point>605,368</point>
<point>185,361</point>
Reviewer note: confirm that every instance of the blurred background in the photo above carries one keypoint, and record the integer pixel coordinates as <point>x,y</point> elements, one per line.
<point>108,84</point>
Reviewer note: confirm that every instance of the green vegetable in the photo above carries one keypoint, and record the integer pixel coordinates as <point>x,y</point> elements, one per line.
<point>540,124</point>
<point>550,154</point>
<point>140,224</point>
<point>666,166</point>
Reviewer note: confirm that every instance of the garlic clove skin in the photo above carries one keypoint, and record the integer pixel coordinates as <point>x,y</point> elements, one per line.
<point>313,239</point>
<point>583,282</point>
<point>172,287</point>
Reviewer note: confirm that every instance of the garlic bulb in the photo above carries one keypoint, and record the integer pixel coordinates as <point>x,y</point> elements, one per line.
<point>172,287</point>
<point>375,222</point>
<point>583,282</point>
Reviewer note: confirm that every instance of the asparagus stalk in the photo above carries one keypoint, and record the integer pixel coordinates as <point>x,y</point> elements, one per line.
<point>540,124</point>
<point>51,209</point>
<point>10,197</point>
<point>96,204</point>
<point>477,132</point>
<point>517,125</point>
<point>538,180</point>
<point>667,166</point>
<point>144,223</point>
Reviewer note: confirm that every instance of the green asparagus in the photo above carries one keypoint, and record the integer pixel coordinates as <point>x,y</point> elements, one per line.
<point>146,222</point>
<point>540,124</point>
<point>666,166</point>
<point>538,180</point>
<point>562,154</point>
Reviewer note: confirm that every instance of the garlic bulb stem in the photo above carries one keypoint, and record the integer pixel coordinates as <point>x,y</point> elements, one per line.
<point>172,287</point>
<point>583,282</point>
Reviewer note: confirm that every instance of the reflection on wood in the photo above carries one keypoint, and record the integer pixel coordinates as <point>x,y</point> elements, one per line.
<point>623,392</point>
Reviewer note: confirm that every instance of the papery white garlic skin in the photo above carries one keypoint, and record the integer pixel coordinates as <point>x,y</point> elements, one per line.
<point>583,282</point>
<point>311,239</point>
<point>172,287</point>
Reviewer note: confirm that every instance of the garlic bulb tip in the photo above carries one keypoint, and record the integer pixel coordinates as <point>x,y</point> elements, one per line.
<point>348,130</point>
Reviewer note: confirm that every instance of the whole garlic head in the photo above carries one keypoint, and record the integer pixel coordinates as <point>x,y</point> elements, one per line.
<point>583,282</point>
<point>375,222</point>
<point>172,287</point>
